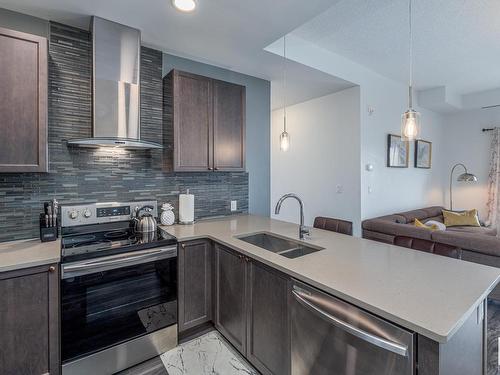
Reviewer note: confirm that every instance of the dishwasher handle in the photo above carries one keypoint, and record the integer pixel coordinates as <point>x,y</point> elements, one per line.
<point>301,296</point>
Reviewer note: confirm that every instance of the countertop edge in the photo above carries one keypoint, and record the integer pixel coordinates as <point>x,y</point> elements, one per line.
<point>441,338</point>
<point>29,264</point>
<point>30,253</point>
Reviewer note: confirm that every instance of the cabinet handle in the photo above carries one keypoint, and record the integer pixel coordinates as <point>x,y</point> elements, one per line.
<point>52,269</point>
<point>183,246</point>
<point>216,168</point>
<point>209,168</point>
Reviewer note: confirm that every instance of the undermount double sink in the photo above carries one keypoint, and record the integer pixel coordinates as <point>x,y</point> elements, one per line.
<point>279,245</point>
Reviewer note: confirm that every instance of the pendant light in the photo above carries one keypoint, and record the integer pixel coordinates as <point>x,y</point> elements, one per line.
<point>284,136</point>
<point>410,120</point>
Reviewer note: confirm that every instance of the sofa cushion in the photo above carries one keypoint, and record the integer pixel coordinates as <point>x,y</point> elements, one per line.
<point>428,246</point>
<point>487,231</point>
<point>480,243</point>
<point>395,229</point>
<point>421,214</point>
<point>367,224</point>
<point>377,236</point>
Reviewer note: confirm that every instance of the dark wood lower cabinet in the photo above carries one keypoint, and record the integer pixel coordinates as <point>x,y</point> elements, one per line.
<point>195,284</point>
<point>29,321</point>
<point>268,333</point>
<point>251,310</point>
<point>230,296</point>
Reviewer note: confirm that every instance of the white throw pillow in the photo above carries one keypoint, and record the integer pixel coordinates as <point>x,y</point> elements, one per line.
<point>438,224</point>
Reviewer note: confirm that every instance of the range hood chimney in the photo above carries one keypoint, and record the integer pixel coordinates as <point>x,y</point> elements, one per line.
<point>116,90</point>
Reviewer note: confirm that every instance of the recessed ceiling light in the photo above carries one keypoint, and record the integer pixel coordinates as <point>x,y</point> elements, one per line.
<point>184,5</point>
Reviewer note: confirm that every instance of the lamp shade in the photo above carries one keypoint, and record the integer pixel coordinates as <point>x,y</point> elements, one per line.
<point>467,177</point>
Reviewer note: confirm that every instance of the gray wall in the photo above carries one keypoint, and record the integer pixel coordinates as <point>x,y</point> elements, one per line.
<point>258,125</point>
<point>22,22</point>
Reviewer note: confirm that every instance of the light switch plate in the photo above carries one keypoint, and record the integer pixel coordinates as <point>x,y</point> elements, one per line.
<point>234,205</point>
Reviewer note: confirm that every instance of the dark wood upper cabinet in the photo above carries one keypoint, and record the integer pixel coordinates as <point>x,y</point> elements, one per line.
<point>229,126</point>
<point>29,321</point>
<point>203,124</point>
<point>23,102</point>
<point>195,283</point>
<point>230,296</point>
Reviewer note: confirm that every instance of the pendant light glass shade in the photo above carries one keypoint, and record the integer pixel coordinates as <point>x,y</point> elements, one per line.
<point>410,125</point>
<point>284,141</point>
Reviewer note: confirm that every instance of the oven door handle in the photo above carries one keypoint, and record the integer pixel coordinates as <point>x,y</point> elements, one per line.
<point>116,261</point>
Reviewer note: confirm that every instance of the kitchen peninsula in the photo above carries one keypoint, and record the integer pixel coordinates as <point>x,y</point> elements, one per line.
<point>431,296</point>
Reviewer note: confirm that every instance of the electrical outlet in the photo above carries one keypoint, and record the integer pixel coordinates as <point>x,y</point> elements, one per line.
<point>234,205</point>
<point>340,189</point>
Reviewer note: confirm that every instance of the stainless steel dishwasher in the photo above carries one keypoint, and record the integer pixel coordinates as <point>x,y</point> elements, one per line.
<point>332,337</point>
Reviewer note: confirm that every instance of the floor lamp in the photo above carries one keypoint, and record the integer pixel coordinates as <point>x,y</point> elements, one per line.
<point>464,177</point>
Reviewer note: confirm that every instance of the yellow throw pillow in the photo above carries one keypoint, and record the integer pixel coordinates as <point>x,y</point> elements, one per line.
<point>419,224</point>
<point>465,218</point>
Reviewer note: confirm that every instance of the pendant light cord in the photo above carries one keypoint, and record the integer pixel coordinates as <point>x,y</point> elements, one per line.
<point>284,83</point>
<point>410,54</point>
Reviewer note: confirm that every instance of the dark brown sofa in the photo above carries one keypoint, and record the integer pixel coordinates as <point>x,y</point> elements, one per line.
<point>476,244</point>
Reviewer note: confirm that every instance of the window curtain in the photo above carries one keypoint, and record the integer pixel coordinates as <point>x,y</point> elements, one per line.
<point>494,181</point>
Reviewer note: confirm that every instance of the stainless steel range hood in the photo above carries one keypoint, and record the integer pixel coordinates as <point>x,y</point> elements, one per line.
<point>116,96</point>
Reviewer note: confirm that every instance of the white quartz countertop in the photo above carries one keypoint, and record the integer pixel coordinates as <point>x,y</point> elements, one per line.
<point>16,255</point>
<point>426,293</point>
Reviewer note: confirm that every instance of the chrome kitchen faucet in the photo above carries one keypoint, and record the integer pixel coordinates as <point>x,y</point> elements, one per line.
<point>302,229</point>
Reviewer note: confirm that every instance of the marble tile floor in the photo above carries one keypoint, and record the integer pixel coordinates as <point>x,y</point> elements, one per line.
<point>211,354</point>
<point>208,354</point>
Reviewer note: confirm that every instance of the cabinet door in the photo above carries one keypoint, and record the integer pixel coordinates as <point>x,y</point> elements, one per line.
<point>230,294</point>
<point>23,102</point>
<point>192,99</point>
<point>268,343</point>
<point>195,284</point>
<point>29,321</point>
<point>229,126</point>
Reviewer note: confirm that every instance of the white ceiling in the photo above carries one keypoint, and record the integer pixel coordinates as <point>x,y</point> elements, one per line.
<point>303,83</point>
<point>228,33</point>
<point>456,42</point>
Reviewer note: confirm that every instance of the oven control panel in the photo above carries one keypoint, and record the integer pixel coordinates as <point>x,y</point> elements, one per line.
<point>113,211</point>
<point>96,213</point>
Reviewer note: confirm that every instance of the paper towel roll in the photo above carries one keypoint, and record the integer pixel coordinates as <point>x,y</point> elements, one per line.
<point>186,208</point>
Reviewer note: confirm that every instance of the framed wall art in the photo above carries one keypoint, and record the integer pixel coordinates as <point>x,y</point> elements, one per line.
<point>398,152</point>
<point>423,154</point>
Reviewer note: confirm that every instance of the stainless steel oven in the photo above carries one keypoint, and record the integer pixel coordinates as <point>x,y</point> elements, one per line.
<point>118,297</point>
<point>331,337</point>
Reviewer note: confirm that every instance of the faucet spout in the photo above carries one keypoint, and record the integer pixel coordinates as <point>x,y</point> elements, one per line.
<point>302,229</point>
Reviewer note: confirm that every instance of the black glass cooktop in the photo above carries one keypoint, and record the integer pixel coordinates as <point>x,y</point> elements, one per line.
<point>96,240</point>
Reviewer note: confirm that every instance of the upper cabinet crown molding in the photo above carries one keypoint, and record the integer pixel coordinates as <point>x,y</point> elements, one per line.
<point>203,123</point>
<point>23,102</point>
